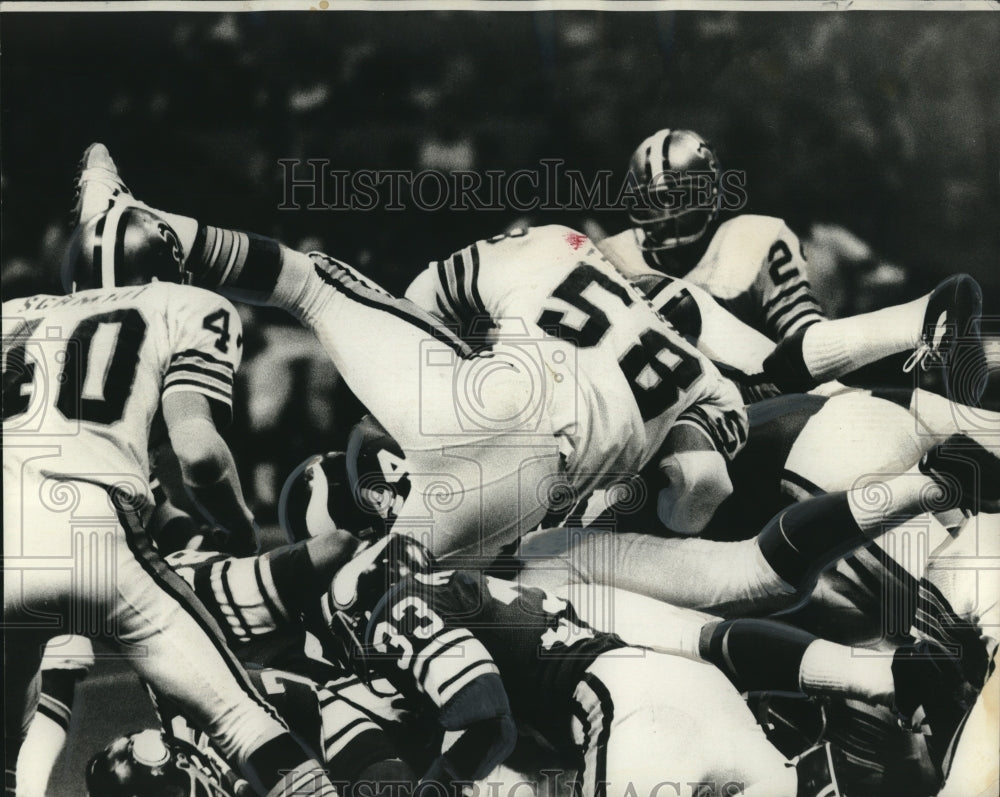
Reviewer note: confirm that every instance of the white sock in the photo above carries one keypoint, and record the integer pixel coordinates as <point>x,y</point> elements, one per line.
<point>831,349</point>
<point>831,669</point>
<point>883,501</point>
<point>942,418</point>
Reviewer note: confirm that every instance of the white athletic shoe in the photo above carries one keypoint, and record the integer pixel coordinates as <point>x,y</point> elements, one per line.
<point>98,185</point>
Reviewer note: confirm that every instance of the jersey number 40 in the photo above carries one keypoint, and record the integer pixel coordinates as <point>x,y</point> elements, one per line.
<point>99,363</point>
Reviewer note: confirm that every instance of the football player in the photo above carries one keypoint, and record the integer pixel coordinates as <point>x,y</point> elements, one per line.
<point>485,654</point>
<point>492,437</point>
<point>755,267</point>
<point>494,289</point>
<point>265,605</point>
<point>759,655</point>
<point>86,378</point>
<point>549,288</point>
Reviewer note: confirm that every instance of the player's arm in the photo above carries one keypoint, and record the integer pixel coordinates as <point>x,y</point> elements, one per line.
<point>206,463</point>
<point>207,343</point>
<point>301,572</point>
<point>480,714</point>
<point>255,595</point>
<point>739,350</point>
<point>696,475</point>
<point>694,456</point>
<point>458,675</point>
<point>787,300</point>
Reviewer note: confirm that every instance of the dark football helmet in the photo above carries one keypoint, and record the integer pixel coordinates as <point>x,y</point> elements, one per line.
<point>360,584</point>
<point>359,490</point>
<point>152,764</point>
<point>677,176</point>
<point>126,245</point>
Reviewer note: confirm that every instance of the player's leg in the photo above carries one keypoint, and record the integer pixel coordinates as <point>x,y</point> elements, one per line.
<point>649,723</point>
<point>921,681</point>
<point>803,540</point>
<point>937,326</point>
<point>851,436</point>
<point>443,407</point>
<point>779,567</point>
<point>721,577</point>
<point>36,589</point>
<point>958,597</point>
<point>356,748</point>
<point>175,646</point>
<point>22,656</point>
<point>937,418</point>
<point>471,499</point>
<point>66,661</point>
<point>727,578</point>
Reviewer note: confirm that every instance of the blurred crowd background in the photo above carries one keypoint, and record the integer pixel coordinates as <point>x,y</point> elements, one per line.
<point>874,134</point>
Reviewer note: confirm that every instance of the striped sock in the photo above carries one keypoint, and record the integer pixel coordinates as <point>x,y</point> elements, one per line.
<point>228,258</point>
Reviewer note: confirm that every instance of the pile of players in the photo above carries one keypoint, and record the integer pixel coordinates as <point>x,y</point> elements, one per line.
<point>601,518</point>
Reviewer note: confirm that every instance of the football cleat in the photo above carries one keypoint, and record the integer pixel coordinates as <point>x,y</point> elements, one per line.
<point>815,772</point>
<point>950,354</point>
<point>98,185</point>
<point>933,697</point>
<point>937,621</point>
<point>117,240</point>
<point>968,472</point>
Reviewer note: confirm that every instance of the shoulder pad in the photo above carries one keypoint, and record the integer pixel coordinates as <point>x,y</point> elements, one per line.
<point>736,255</point>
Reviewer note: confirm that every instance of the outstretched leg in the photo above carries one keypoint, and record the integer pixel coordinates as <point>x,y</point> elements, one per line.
<point>942,328</point>
<point>778,568</point>
<point>476,436</point>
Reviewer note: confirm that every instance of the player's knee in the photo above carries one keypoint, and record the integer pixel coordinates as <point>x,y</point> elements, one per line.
<point>499,394</point>
<point>697,483</point>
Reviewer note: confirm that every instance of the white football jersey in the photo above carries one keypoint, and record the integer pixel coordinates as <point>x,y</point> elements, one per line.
<point>631,376</point>
<point>83,375</point>
<point>754,267</point>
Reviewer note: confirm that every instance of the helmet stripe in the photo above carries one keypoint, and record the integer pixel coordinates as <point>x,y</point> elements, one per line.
<point>668,137</point>
<point>113,228</point>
